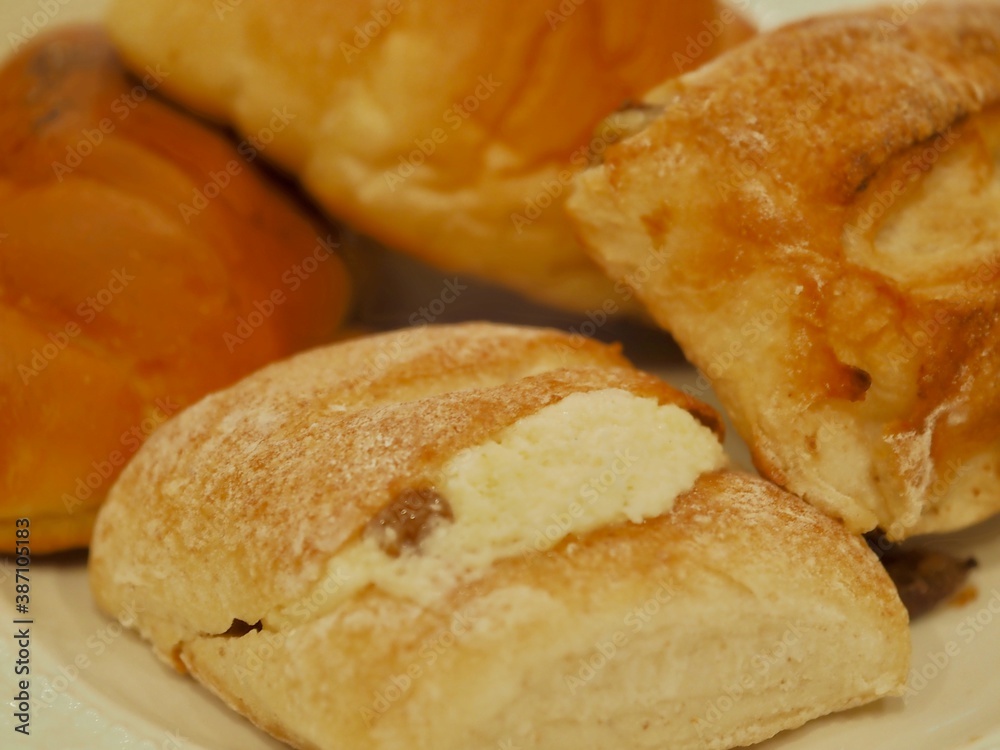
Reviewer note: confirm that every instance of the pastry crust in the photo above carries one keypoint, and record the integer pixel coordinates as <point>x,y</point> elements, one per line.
<point>446,129</point>
<point>246,536</point>
<point>815,217</point>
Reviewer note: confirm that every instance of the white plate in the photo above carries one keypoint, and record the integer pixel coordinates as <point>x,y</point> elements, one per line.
<point>94,687</point>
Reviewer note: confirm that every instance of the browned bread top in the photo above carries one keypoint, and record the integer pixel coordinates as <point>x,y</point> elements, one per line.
<point>814,216</point>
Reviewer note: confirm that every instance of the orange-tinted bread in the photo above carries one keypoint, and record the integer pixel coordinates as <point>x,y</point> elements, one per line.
<point>447,129</point>
<point>123,295</point>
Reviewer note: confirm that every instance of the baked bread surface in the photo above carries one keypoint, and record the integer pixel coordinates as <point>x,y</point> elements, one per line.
<point>815,217</point>
<point>446,129</point>
<point>576,566</point>
<point>124,296</point>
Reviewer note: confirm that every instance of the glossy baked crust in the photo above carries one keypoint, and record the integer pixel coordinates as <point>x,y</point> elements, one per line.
<point>443,128</point>
<point>815,217</point>
<point>121,292</point>
<point>231,543</point>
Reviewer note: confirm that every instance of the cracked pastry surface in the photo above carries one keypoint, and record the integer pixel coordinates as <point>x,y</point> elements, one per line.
<point>816,218</point>
<point>415,540</point>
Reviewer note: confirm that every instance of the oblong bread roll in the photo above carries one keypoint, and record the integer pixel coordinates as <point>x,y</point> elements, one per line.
<point>816,218</point>
<point>450,538</point>
<point>446,129</point>
<point>126,293</point>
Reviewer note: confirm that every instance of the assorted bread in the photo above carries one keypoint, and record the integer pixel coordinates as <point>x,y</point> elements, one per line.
<point>490,535</point>
<point>484,536</point>
<point>143,264</point>
<point>815,218</point>
<point>445,129</point>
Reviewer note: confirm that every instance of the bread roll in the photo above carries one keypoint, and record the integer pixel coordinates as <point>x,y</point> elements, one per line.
<point>124,296</point>
<point>459,537</point>
<point>829,256</point>
<point>443,128</point>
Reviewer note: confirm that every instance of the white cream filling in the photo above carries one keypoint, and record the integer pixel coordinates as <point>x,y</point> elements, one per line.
<point>592,460</point>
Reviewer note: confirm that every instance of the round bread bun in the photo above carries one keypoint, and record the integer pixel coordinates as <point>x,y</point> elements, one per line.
<point>459,537</point>
<point>124,296</point>
<point>442,128</point>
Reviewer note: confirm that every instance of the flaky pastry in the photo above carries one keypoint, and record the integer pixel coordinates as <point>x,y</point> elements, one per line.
<point>816,218</point>
<point>459,537</point>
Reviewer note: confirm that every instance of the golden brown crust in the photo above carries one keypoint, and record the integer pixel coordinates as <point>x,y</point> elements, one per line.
<point>377,434</point>
<point>443,129</point>
<point>115,304</point>
<point>819,207</point>
<point>251,506</point>
<point>691,553</point>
